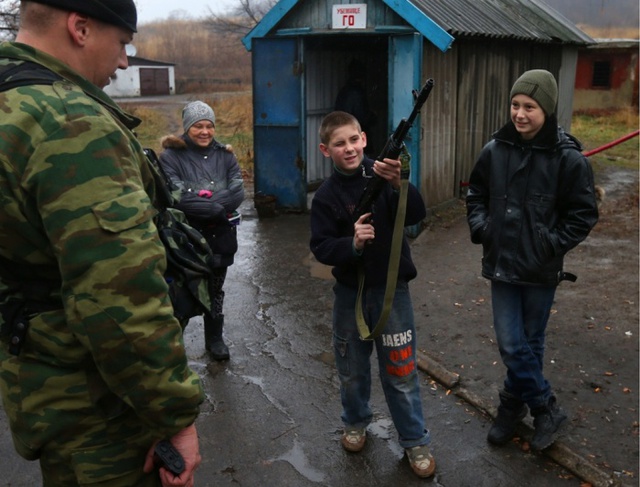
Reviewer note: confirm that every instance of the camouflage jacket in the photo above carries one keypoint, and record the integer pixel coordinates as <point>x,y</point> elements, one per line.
<point>76,220</point>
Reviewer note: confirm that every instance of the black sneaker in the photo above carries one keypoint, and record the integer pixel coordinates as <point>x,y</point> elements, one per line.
<point>547,421</point>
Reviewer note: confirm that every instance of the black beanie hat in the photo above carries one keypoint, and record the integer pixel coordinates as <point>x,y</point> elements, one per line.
<point>116,12</point>
<point>540,85</point>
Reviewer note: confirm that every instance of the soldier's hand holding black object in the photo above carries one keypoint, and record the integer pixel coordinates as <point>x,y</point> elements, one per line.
<point>186,443</point>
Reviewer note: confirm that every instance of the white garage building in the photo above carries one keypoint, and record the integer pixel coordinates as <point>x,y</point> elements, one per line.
<point>143,77</point>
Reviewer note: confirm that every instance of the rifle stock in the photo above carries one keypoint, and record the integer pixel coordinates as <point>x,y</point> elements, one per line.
<point>391,150</point>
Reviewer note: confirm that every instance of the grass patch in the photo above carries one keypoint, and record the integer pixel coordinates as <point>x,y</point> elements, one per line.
<point>234,124</point>
<point>595,130</point>
<point>154,124</point>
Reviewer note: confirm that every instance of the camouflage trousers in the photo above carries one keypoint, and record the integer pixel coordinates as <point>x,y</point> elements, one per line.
<point>108,453</point>
<point>79,441</point>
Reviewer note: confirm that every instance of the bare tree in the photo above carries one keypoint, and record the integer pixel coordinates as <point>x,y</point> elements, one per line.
<point>240,19</point>
<point>9,18</point>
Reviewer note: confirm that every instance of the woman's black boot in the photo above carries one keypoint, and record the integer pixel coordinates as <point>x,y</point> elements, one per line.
<point>213,341</point>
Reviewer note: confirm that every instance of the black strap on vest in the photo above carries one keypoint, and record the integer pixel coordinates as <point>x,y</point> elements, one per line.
<point>26,73</point>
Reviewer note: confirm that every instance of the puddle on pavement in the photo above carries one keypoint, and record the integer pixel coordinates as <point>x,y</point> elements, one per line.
<point>199,368</point>
<point>384,429</point>
<point>298,460</point>
<point>381,428</point>
<point>260,383</point>
<point>208,407</point>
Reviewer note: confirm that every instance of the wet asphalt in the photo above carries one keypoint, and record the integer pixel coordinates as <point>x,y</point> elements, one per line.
<point>272,413</point>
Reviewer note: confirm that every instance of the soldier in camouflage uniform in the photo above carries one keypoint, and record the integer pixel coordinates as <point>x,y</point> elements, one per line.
<point>101,374</point>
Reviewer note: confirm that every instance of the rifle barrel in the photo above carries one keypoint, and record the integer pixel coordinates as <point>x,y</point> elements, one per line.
<point>392,150</point>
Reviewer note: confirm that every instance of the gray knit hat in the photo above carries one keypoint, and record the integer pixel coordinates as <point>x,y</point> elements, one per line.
<point>540,85</point>
<point>196,111</point>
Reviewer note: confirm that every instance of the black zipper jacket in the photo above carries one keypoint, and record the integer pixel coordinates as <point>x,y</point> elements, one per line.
<point>332,228</point>
<point>529,203</point>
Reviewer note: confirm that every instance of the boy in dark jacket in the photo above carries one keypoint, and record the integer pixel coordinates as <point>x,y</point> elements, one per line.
<point>349,244</point>
<point>531,200</point>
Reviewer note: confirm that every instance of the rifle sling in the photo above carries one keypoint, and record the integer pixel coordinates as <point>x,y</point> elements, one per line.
<point>392,272</point>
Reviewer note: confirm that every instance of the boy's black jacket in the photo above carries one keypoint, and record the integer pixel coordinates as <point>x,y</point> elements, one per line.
<point>332,228</point>
<point>529,203</point>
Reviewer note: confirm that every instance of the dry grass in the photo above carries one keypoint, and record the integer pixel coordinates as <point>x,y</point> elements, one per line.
<point>595,130</point>
<point>234,125</point>
<point>155,124</point>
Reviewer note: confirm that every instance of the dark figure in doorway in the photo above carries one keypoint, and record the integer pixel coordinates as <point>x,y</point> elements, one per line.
<point>352,97</point>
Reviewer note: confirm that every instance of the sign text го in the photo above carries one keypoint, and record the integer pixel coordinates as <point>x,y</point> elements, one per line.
<point>349,16</point>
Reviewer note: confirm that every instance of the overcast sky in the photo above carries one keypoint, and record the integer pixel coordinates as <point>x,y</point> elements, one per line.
<point>149,10</point>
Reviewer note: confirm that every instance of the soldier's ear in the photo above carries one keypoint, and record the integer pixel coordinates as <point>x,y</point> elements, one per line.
<point>79,27</point>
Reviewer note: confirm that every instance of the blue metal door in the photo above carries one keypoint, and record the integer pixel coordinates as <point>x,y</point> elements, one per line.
<point>405,67</point>
<point>279,167</point>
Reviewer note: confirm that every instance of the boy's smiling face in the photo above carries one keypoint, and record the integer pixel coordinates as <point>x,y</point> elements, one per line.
<point>527,116</point>
<point>346,147</point>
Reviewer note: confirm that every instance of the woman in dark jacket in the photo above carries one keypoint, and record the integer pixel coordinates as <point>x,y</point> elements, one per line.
<point>211,188</point>
<point>531,200</point>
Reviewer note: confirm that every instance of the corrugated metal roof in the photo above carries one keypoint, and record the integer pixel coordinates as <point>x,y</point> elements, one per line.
<point>616,44</point>
<point>530,20</point>
<point>518,19</point>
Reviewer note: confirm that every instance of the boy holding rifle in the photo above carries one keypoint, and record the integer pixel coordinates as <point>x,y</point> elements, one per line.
<point>364,246</point>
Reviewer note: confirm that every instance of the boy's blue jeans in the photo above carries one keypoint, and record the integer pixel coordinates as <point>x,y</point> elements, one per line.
<point>396,351</point>
<point>520,316</point>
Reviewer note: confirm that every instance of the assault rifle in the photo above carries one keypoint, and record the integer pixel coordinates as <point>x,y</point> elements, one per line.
<point>391,150</point>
